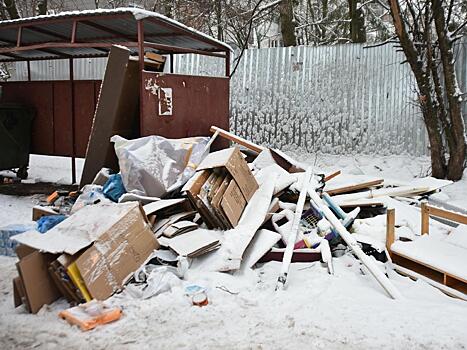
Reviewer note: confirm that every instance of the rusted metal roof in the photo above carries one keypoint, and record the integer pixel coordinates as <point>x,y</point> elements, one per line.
<point>79,34</point>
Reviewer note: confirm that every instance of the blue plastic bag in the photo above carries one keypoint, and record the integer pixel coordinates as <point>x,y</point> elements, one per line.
<point>8,246</point>
<point>45,223</point>
<point>113,189</point>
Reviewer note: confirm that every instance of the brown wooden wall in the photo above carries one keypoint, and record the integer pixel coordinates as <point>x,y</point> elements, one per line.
<point>52,127</point>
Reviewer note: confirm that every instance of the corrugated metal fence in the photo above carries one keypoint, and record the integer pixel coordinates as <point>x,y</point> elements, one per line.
<point>342,99</point>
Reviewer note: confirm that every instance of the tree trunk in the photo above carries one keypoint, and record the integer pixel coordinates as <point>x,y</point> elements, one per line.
<point>42,7</point>
<point>11,8</point>
<point>287,23</point>
<point>458,153</point>
<point>220,32</point>
<point>429,111</point>
<point>357,23</point>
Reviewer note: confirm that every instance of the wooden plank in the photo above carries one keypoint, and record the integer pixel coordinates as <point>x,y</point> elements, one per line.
<point>355,187</point>
<point>445,289</point>
<point>455,283</point>
<point>361,203</point>
<point>425,219</point>
<point>446,214</point>
<point>331,176</point>
<point>234,138</point>
<point>390,225</point>
<point>418,267</point>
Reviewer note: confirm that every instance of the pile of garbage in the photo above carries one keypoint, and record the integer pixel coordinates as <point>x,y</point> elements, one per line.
<point>173,202</point>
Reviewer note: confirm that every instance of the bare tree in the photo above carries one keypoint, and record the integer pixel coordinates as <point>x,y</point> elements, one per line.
<point>287,21</point>
<point>426,31</point>
<point>11,9</point>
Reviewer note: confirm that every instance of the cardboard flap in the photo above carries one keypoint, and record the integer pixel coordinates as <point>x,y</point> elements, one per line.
<point>217,159</point>
<point>38,285</point>
<point>107,264</point>
<point>154,207</point>
<point>79,230</point>
<point>233,203</point>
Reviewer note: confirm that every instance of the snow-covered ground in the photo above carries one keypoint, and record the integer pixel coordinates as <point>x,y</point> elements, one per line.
<point>316,311</point>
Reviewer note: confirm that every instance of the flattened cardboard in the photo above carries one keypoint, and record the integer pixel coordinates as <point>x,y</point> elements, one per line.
<point>18,291</point>
<point>154,207</point>
<point>107,265</point>
<point>39,287</point>
<point>194,243</point>
<point>233,203</point>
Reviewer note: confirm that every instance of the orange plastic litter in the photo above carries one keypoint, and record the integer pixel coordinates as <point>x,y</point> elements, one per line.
<point>91,314</point>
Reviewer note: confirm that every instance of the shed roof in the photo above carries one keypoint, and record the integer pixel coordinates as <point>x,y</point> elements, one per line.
<point>79,34</point>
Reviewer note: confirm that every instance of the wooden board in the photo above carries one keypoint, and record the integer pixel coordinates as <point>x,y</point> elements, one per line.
<point>354,187</point>
<point>431,272</point>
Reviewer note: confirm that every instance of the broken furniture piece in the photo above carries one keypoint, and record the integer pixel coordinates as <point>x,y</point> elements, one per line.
<point>441,259</point>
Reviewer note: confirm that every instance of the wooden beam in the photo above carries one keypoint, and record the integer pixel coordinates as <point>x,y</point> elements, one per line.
<point>354,187</point>
<point>446,214</point>
<point>331,176</point>
<point>425,225</point>
<point>390,228</point>
<point>234,138</point>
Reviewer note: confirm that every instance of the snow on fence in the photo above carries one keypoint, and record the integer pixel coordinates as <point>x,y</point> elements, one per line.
<point>342,99</point>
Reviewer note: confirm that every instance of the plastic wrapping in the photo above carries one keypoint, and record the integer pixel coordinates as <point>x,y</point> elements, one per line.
<point>154,165</point>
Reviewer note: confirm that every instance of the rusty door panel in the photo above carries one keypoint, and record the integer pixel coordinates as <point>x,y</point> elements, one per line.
<point>85,105</point>
<point>176,106</point>
<point>62,118</point>
<point>38,95</point>
<point>52,128</point>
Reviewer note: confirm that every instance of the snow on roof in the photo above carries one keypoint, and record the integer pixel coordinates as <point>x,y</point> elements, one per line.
<point>184,36</point>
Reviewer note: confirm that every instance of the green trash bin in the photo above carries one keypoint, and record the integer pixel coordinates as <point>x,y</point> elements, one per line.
<point>15,138</point>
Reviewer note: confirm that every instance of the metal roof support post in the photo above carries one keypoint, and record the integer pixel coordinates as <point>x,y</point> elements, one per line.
<point>171,63</point>
<point>28,65</point>
<point>227,63</point>
<point>73,150</point>
<point>141,68</point>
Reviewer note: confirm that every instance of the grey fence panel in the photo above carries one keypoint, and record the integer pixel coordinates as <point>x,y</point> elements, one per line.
<point>341,99</point>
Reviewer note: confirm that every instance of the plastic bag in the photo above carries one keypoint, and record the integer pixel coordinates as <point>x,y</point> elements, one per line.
<point>91,194</point>
<point>154,165</point>
<point>113,189</point>
<point>45,223</point>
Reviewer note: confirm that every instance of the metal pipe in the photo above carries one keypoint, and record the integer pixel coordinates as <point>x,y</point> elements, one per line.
<point>227,63</point>
<point>171,63</point>
<point>141,69</point>
<point>73,141</point>
<point>28,64</point>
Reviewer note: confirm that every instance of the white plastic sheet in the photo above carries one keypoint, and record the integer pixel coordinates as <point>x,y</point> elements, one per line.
<point>154,165</point>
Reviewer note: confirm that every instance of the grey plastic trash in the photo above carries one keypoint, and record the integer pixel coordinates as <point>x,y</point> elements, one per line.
<point>154,165</point>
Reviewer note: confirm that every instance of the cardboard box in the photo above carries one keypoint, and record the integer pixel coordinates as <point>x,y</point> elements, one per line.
<point>112,241</point>
<point>221,188</point>
<point>39,211</point>
<point>35,287</point>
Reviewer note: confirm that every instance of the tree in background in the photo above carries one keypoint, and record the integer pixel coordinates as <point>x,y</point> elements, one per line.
<point>328,22</point>
<point>287,21</point>
<point>426,31</point>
